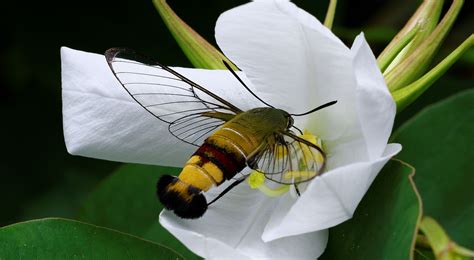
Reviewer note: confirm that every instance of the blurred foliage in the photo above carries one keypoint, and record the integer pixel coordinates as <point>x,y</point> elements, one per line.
<point>438,143</point>
<point>38,177</point>
<point>130,208</point>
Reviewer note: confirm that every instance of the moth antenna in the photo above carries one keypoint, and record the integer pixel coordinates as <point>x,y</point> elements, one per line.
<point>243,84</point>
<point>316,109</point>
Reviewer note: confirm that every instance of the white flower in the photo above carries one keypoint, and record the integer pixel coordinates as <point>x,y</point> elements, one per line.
<point>294,63</point>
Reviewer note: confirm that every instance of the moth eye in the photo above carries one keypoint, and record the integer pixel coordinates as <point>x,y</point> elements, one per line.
<point>290,121</point>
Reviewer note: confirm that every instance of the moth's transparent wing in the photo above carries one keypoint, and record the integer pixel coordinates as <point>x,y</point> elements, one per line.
<point>169,96</point>
<point>288,159</point>
<point>194,128</point>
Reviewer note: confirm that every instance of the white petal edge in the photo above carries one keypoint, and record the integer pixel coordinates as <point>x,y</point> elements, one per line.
<point>283,49</point>
<point>233,226</point>
<point>375,105</point>
<point>102,121</point>
<point>328,200</point>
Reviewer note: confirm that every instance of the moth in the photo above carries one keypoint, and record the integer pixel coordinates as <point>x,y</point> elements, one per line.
<point>228,139</point>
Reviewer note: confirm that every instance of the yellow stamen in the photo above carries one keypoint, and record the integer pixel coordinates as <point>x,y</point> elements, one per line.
<point>256,180</point>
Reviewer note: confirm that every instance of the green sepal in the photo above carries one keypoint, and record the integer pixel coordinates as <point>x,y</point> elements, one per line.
<point>413,66</point>
<point>199,51</point>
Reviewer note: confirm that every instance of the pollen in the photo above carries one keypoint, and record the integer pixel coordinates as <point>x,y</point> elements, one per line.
<point>256,179</point>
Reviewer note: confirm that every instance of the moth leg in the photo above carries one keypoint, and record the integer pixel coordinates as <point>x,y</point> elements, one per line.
<point>230,187</point>
<point>297,190</point>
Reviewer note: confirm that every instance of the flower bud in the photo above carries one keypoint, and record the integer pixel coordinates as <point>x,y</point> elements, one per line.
<point>443,247</point>
<point>415,31</point>
<point>199,52</point>
<point>416,63</point>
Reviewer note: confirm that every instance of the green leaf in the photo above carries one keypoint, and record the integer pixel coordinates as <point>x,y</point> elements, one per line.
<point>438,142</point>
<point>126,201</point>
<point>384,224</point>
<point>57,238</point>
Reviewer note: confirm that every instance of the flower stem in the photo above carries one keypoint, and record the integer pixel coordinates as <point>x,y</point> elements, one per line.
<point>328,21</point>
<point>403,97</point>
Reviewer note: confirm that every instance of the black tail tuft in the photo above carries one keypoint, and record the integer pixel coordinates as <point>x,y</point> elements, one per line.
<point>162,190</point>
<point>186,201</point>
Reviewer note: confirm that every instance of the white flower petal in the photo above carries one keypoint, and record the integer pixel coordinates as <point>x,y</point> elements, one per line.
<point>294,63</point>
<point>375,106</point>
<point>328,200</point>
<point>285,50</point>
<point>102,121</point>
<point>232,229</point>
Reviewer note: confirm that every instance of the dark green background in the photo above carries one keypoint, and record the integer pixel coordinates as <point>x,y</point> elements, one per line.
<point>38,177</point>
